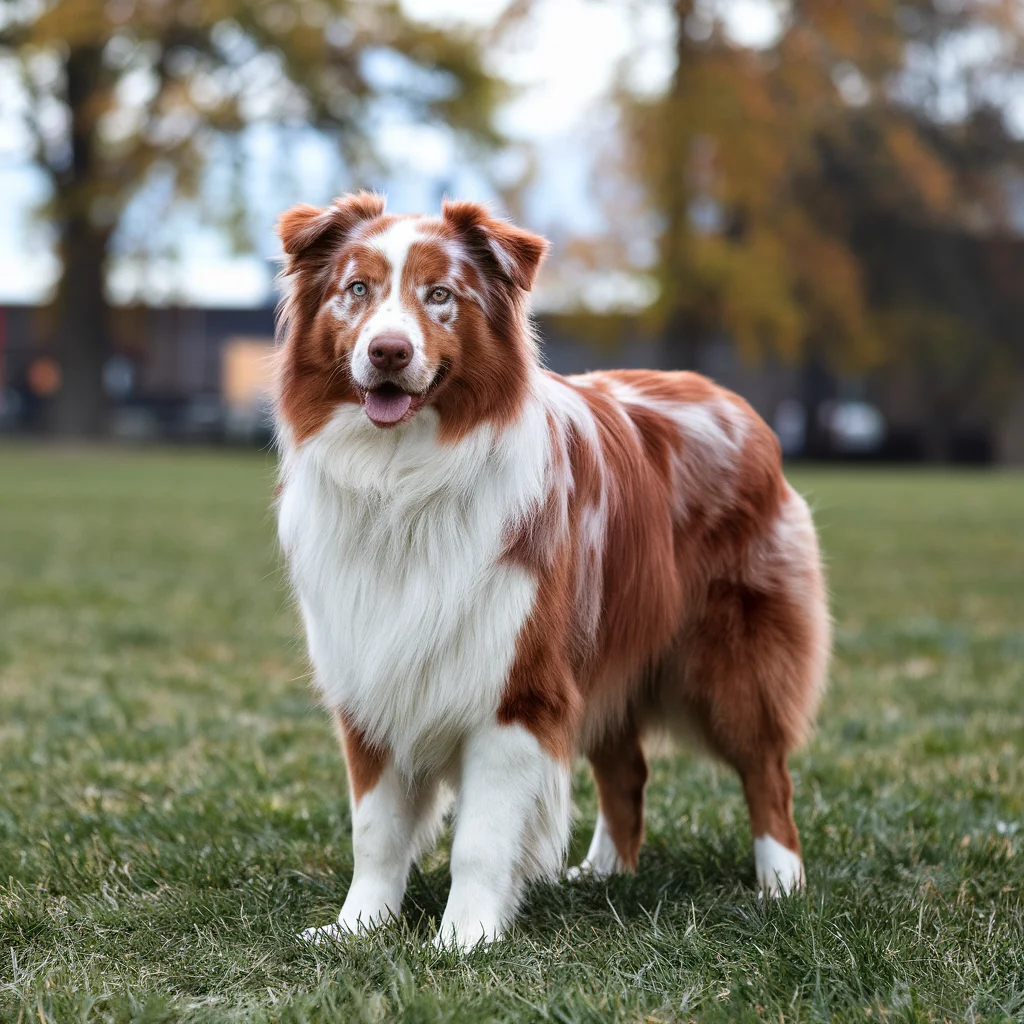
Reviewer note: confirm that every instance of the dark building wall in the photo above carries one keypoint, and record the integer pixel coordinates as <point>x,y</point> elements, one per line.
<point>176,353</point>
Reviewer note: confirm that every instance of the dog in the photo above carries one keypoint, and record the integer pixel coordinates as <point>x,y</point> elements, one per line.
<point>498,567</point>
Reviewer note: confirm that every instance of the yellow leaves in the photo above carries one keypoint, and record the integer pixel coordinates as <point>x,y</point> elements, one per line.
<point>774,174</point>
<point>74,23</point>
<point>733,135</point>
<point>80,23</point>
<point>918,165</point>
<point>725,96</point>
<point>861,31</point>
<point>149,80</point>
<point>832,290</point>
<point>755,291</point>
<point>836,23</point>
<point>778,284</point>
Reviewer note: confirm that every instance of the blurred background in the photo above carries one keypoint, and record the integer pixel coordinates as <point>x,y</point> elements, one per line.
<point>819,204</point>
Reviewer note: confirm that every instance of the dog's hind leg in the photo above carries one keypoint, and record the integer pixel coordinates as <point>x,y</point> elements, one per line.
<point>756,663</point>
<point>769,792</point>
<point>620,773</point>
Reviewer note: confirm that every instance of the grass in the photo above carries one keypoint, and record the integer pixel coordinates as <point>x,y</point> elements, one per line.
<point>172,805</point>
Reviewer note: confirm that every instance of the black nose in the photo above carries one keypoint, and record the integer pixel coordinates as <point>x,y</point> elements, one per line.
<point>390,352</point>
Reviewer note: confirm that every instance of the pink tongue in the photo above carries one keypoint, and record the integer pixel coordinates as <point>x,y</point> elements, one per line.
<point>385,407</point>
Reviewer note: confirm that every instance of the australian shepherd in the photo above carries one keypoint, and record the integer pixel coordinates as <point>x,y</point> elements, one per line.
<point>499,567</point>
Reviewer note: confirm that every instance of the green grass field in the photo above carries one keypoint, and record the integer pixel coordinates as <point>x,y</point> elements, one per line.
<point>173,809</point>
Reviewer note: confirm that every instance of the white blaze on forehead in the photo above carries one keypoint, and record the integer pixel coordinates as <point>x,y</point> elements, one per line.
<point>394,243</point>
<point>390,315</point>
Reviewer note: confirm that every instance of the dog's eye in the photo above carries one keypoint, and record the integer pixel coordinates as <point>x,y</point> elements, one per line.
<point>439,295</point>
<point>357,288</point>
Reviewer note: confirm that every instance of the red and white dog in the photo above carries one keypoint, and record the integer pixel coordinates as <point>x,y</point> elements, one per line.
<point>498,567</point>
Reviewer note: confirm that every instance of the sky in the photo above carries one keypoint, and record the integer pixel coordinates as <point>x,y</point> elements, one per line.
<point>561,60</point>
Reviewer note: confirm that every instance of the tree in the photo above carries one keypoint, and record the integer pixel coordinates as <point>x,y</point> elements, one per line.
<point>784,176</point>
<point>121,90</point>
<point>723,152</point>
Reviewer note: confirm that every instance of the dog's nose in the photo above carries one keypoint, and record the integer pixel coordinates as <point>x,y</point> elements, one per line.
<point>390,352</point>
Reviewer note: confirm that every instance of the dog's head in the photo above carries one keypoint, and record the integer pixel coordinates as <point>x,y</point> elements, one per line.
<point>402,312</point>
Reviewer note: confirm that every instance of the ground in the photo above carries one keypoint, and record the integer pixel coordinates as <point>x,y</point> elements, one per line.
<point>173,810</point>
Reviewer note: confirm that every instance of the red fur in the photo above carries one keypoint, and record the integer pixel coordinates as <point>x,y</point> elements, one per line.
<point>679,582</point>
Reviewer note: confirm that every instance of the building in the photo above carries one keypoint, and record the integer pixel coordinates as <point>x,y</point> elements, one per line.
<point>200,374</point>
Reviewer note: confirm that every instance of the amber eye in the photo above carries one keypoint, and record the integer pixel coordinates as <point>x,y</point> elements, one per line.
<point>439,295</point>
<point>358,288</point>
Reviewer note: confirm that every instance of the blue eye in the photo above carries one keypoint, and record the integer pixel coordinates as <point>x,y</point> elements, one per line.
<point>358,288</point>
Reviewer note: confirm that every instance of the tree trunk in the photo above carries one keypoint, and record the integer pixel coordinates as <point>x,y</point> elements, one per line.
<point>679,339</point>
<point>80,406</point>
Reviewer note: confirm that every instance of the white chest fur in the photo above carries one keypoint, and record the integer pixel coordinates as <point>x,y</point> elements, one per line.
<point>394,545</point>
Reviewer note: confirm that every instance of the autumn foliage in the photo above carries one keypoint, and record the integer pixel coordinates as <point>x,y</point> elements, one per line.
<point>786,179</point>
<point>119,92</point>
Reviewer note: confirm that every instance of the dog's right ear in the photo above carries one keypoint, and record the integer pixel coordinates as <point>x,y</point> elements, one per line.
<point>307,230</point>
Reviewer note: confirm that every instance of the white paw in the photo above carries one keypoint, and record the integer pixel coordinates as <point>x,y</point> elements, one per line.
<point>777,891</point>
<point>347,925</point>
<point>325,935</point>
<point>779,870</point>
<point>455,942</point>
<point>588,869</point>
<point>466,935</point>
<point>602,858</point>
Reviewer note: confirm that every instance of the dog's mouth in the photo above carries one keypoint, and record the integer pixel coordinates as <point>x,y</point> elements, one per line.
<point>387,404</point>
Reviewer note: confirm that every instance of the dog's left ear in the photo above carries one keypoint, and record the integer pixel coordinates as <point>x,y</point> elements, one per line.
<point>516,253</point>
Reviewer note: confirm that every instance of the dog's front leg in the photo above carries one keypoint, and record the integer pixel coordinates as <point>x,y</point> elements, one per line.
<point>385,820</point>
<point>512,826</point>
<point>383,829</point>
